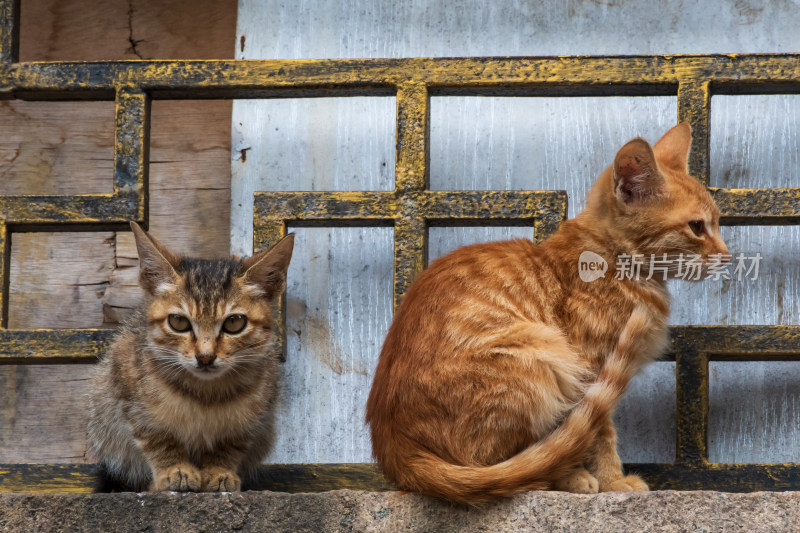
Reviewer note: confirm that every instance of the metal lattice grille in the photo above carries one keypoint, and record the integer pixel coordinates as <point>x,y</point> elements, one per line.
<point>410,209</point>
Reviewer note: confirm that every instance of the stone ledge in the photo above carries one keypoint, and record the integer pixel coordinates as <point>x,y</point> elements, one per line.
<point>346,511</point>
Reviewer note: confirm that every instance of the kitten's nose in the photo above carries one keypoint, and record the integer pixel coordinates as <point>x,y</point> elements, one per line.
<point>205,359</point>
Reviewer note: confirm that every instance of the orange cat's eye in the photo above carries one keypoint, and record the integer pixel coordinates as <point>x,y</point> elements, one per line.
<point>698,227</point>
<point>234,324</point>
<point>179,323</point>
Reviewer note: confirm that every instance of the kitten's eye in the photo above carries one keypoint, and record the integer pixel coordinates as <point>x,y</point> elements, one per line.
<point>179,323</point>
<point>698,227</point>
<point>234,324</point>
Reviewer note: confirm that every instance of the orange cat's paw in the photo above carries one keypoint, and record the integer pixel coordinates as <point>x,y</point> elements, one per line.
<point>180,478</point>
<point>626,484</point>
<point>579,481</point>
<point>216,479</point>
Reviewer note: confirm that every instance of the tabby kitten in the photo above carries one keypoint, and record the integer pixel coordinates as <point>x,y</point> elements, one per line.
<point>502,368</point>
<point>185,397</point>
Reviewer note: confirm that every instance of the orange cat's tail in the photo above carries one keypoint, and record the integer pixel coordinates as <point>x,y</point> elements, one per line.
<point>536,467</point>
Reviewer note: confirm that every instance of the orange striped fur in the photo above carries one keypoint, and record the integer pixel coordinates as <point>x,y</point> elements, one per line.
<point>502,368</point>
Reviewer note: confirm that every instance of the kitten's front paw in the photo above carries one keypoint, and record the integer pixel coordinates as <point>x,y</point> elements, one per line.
<point>630,483</point>
<point>578,481</point>
<point>216,479</point>
<point>180,478</point>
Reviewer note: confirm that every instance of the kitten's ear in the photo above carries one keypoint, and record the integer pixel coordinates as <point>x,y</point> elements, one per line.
<point>636,175</point>
<point>156,263</point>
<point>672,150</point>
<point>267,269</point>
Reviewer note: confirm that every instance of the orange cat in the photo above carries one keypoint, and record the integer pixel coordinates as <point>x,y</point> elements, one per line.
<point>502,368</point>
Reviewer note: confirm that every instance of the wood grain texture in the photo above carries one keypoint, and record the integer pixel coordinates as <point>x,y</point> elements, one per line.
<point>533,143</point>
<point>123,293</point>
<point>190,170</point>
<point>89,279</point>
<point>73,30</point>
<point>59,279</point>
<point>43,413</point>
<point>56,147</point>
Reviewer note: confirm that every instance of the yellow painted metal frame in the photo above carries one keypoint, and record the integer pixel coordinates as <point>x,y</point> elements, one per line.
<point>410,209</point>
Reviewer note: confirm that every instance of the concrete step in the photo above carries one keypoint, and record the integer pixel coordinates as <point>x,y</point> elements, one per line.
<point>348,511</point>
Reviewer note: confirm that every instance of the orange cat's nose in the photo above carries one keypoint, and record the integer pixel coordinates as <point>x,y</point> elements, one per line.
<point>205,359</point>
<point>723,250</point>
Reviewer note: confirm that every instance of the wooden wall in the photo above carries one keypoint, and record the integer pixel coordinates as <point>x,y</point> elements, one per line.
<point>89,279</point>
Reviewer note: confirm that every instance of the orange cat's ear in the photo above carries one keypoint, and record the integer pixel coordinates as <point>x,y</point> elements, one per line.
<point>156,263</point>
<point>267,269</point>
<point>636,175</point>
<point>672,150</point>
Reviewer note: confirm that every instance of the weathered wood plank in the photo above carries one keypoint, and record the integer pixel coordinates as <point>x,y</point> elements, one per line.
<point>56,147</point>
<point>43,413</point>
<point>59,279</point>
<point>67,148</point>
<point>190,160</point>
<point>123,294</point>
<point>126,29</point>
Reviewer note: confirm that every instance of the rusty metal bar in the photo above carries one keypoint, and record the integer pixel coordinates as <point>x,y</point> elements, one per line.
<point>5,273</point>
<point>763,207</point>
<point>410,254</point>
<point>732,74</point>
<point>694,107</point>
<point>727,477</point>
<point>691,389</point>
<point>58,210</point>
<point>266,233</point>
<point>731,341</point>
<point>727,343</point>
<point>365,476</point>
<point>9,32</point>
<point>131,151</point>
<point>375,208</point>
<point>413,138</point>
<point>52,346</point>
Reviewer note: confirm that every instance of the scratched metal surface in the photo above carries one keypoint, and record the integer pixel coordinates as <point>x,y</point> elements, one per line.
<point>318,144</point>
<point>339,307</point>
<point>485,142</point>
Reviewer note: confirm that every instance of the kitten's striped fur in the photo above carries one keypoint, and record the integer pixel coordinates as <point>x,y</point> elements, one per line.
<point>190,410</point>
<point>494,345</point>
